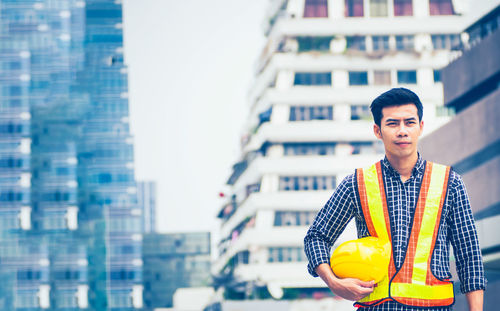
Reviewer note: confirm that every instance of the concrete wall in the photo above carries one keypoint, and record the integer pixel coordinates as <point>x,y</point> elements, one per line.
<point>462,143</point>
<point>474,67</point>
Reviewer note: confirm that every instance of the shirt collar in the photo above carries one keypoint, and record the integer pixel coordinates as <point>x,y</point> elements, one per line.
<point>417,169</point>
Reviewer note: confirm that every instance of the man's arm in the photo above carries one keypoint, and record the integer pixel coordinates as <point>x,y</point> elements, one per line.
<point>475,300</point>
<point>350,289</point>
<point>326,228</point>
<point>328,225</point>
<point>466,246</point>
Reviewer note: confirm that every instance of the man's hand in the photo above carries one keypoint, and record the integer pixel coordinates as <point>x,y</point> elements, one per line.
<point>350,289</point>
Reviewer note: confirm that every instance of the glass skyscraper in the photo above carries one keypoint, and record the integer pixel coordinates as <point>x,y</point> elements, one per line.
<point>70,225</point>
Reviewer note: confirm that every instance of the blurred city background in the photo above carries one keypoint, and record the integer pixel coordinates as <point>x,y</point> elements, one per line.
<point>172,154</point>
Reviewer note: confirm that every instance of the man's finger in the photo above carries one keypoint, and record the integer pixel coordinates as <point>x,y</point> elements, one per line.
<point>366,284</point>
<point>365,290</point>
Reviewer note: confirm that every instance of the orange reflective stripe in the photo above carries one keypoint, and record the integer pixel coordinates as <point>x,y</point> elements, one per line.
<point>406,272</point>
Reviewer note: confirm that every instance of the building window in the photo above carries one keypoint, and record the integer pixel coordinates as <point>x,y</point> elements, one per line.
<point>445,42</point>
<point>11,196</point>
<point>314,43</point>
<point>305,183</point>
<point>437,75</point>
<point>353,8</point>
<point>28,275</point>
<point>361,112</point>
<point>363,148</point>
<point>15,91</point>
<point>444,111</point>
<point>288,219</point>
<point>124,224</point>
<point>407,77</point>
<point>378,8</point>
<point>265,116</point>
<point>11,162</point>
<point>474,35</point>
<point>489,26</point>
<point>12,128</point>
<point>358,78</point>
<point>316,8</point>
<point>441,7</point>
<point>286,254</point>
<point>313,78</point>
<point>302,149</point>
<point>354,148</point>
<point>240,258</point>
<point>8,222</point>
<point>308,113</point>
<point>252,188</point>
<point>380,43</point>
<point>54,222</point>
<point>120,300</point>
<point>26,299</point>
<point>405,43</point>
<point>403,7</point>
<point>356,43</point>
<point>382,77</point>
<point>66,300</point>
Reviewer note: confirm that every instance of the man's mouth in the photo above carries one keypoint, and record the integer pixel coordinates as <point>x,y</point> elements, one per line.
<point>403,144</point>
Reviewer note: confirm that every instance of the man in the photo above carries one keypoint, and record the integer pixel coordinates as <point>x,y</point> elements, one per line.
<point>419,206</point>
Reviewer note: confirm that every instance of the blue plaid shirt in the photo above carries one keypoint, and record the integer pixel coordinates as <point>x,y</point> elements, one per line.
<point>458,228</point>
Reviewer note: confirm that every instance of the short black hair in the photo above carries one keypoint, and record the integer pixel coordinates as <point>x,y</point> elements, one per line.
<point>395,97</point>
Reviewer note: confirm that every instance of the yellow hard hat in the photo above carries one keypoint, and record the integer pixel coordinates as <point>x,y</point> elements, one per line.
<point>365,259</point>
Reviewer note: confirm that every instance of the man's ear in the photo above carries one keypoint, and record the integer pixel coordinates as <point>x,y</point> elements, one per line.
<point>421,127</point>
<point>376,131</point>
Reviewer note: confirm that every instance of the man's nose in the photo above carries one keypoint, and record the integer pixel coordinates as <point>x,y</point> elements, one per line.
<point>403,130</point>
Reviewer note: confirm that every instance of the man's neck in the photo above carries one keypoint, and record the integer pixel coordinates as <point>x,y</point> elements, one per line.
<point>404,166</point>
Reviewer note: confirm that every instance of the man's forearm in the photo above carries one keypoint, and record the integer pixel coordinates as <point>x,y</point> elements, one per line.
<point>350,289</point>
<point>475,300</point>
<point>326,274</point>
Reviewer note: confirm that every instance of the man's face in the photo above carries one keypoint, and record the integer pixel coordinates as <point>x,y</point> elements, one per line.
<point>399,130</point>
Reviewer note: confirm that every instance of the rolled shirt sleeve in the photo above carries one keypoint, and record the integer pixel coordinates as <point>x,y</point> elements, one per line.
<point>465,240</point>
<point>328,225</point>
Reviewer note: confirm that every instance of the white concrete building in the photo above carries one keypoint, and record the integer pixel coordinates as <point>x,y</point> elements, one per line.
<point>309,125</point>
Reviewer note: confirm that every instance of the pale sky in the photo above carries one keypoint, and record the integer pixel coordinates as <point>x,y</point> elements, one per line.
<point>190,67</point>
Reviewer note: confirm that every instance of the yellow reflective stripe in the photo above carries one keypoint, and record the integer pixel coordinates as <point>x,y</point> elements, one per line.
<point>379,292</point>
<point>429,222</point>
<point>376,208</point>
<point>421,291</point>
<point>375,204</point>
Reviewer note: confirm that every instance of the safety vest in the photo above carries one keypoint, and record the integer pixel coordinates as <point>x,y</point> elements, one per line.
<point>413,283</point>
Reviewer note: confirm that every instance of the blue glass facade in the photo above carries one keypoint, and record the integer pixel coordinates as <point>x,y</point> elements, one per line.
<point>173,261</point>
<point>146,196</point>
<point>70,225</point>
